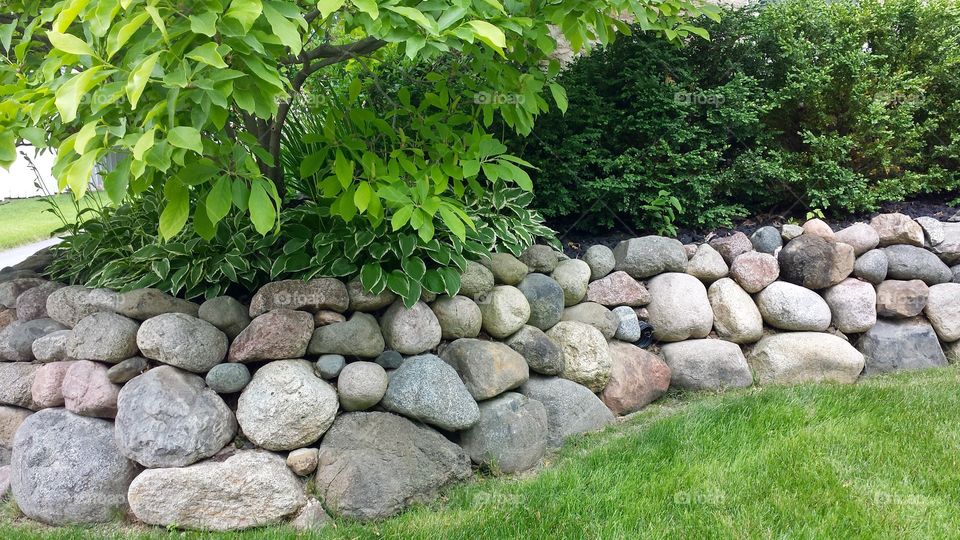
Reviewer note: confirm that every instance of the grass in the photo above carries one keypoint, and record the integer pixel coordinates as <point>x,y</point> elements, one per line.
<point>874,460</point>
<point>23,221</point>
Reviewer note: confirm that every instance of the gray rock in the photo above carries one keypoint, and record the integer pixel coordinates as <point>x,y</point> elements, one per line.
<point>542,354</point>
<point>754,271</point>
<point>706,364</point>
<point>949,249</point>
<point>329,366</point>
<point>410,331</point>
<point>814,262</point>
<point>540,258</point>
<point>818,227</point>
<point>707,264</point>
<point>910,262</point>
<point>731,247</point>
<point>312,296</point>
<point>901,345</point>
<point>127,369</point>
<point>303,461</point>
<point>511,435</point>
<point>595,315</point>
<point>459,317</point>
<point>637,379</point>
<point>286,406</point>
<point>853,305</point>
<point>361,300</point>
<point>618,289</point>
<point>476,281</point>
<point>487,368</point>
<point>428,389</point>
<point>5,472</point>
<point>361,385</point>
<point>586,356</point>
<point>182,341</point>
<point>16,384</point>
<point>943,310</point>
<point>790,231</point>
<point>860,236</point>
<point>390,360</point>
<point>546,299</point>
<point>51,347</point>
<point>933,232</point>
<point>766,240</point>
<point>32,304</point>
<point>571,408</point>
<point>373,465</point>
<point>954,269</point>
<point>206,496</point>
<point>68,305</point>
<point>67,469</point>
<point>10,420</point>
<point>16,339</point>
<point>573,276</point>
<point>141,304</point>
<point>227,314</point>
<point>679,307</point>
<point>801,357</point>
<point>11,290</point>
<point>791,307</point>
<point>106,337</point>
<point>360,336</point>
<point>871,266</point>
<point>628,328</point>
<point>735,315</point>
<point>601,261</point>
<point>506,269</point>
<point>901,299</point>
<point>228,378</point>
<point>276,335</point>
<point>897,229</point>
<point>504,310</point>
<point>649,256</point>
<point>169,418</point>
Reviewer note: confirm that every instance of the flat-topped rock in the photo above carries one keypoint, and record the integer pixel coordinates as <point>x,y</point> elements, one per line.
<point>312,296</point>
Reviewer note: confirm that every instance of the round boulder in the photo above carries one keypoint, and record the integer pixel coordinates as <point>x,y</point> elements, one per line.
<point>637,379</point>
<point>361,385</point>
<point>618,289</point>
<point>87,390</point>
<point>505,310</point>
<point>540,258</point>
<point>901,299</point>
<point>16,339</point>
<point>275,335</point>
<point>650,255</point>
<point>753,271</point>
<point>943,310</point>
<point>801,357</point>
<point>312,296</point>
<point>410,331</point>
<point>546,299</point>
<point>511,434</point>
<point>872,266</point>
<point>573,276</point>
<point>596,316</point>
<point>791,307</point>
<point>428,389</point>
<point>360,336</point>
<point>706,364</point>
<point>542,354</point>
<point>106,337</point>
<point>911,262</point>
<point>766,240</point>
<point>571,408</point>
<point>487,368</point>
<point>228,378</point>
<point>860,236</point>
<point>814,262</point>
<point>897,229</point>
<point>227,314</point>
<point>506,269</point>
<point>586,356</point>
<point>601,261</point>
<point>707,264</point>
<point>679,308</point>
<point>853,305</point>
<point>476,281</point>
<point>69,305</point>
<point>735,315</point>
<point>459,317</point>
<point>182,341</point>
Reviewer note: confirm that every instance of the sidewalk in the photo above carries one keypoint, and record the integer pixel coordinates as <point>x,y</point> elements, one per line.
<point>17,255</point>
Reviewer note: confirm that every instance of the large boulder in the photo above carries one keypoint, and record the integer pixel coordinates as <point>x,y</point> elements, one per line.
<point>11,290</point>
<point>504,310</point>
<point>601,261</point>
<point>67,469</point>
<point>506,268</point>
<point>227,314</point>
<point>476,281</point>
<point>766,240</point>
<point>679,308</point>
<point>459,316</point>
<point>754,271</point>
<point>546,299</point>
<point>860,236</point>
<point>899,345</point>
<point>872,266</point>
<point>360,336</point>
<point>814,262</point>
<point>286,406</point>
<point>87,390</point>
<point>649,256</point>
<point>32,304</point>
<point>361,300</point>
<point>618,289</point>
<point>361,385</point>
<point>897,229</point>
<point>706,364</point>
<point>488,368</point>
<point>732,246</point>
<point>428,389</point>
<point>586,356</point>
<point>10,420</point>
<point>791,307</point>
<point>573,276</point>
<point>182,341</point>
<point>141,304</point>
<point>910,262</point>
<point>818,227</point>
<point>374,464</point>
<point>800,357</point>
<point>637,378</point>
<point>542,354</point>
<point>901,299</point>
<point>69,305</point>
<point>853,305</point>
<point>169,418</point>
<point>511,435</point>
<point>943,310</point>
<point>52,347</point>
<point>707,264</point>
<point>16,384</point>
<point>47,387</point>
<point>540,258</point>
<point>105,337</point>
<point>735,315</point>
<point>410,331</point>
<point>16,339</point>
<point>275,335</point>
<point>596,316</point>
<point>571,408</point>
<point>250,488</point>
<point>312,296</point>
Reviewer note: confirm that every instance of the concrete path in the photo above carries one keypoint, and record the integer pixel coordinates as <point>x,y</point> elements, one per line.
<point>20,254</point>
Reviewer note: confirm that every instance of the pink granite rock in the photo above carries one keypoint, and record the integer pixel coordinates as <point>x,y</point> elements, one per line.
<point>754,271</point>
<point>618,289</point>
<point>47,386</point>
<point>276,335</point>
<point>88,392</point>
<point>638,378</point>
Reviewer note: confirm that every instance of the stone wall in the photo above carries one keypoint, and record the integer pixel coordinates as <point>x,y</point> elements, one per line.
<point>315,397</point>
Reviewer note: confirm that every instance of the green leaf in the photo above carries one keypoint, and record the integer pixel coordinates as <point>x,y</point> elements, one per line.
<point>398,283</point>
<point>327,7</point>
<point>69,44</point>
<point>220,199</point>
<point>6,34</point>
<point>371,276</point>
<point>287,31</point>
<point>560,96</point>
<point>369,7</point>
<point>77,176</point>
<point>453,223</point>
<point>407,245</point>
<point>489,34</point>
<point>205,23</point>
<point>414,267</point>
<point>157,20</point>
<point>123,35</point>
<point>186,137</point>
<point>177,210</point>
<point>362,197</point>
<point>343,168</point>
<point>451,280</point>
<point>416,16</point>
<point>262,211</point>
<point>139,77</point>
<point>84,136</point>
<point>8,148</point>
<point>246,12</point>
<point>68,96</point>
<point>209,55</point>
<point>401,217</point>
<point>117,181</point>
<point>144,143</point>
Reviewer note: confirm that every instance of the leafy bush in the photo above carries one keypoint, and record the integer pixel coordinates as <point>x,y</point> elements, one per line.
<point>832,105</point>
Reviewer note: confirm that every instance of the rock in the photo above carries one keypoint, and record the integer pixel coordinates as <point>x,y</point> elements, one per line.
<point>16,340</point>
<point>618,289</point>
<point>735,315</point>
<point>128,369</point>
<point>954,269</point>
<point>286,406</point>
<point>169,418</point>
<point>511,435</point>
<point>51,347</point>
<point>361,300</point>
<point>312,296</point>
<point>46,390</point>
<point>5,472</point>
<point>766,240</point>
<point>872,266</point>
<point>949,249</point>
<point>361,385</point>
<point>506,269</point>
<point>545,298</point>
<point>7,316</point>
<point>860,236</point>
<point>505,310</point>
<point>228,378</point>
<point>901,299</point>
<point>227,314</point>
<point>88,392</point>
<point>789,231</point>
<point>141,304</point>
<point>691,250</point>
<point>731,247</point>
<point>32,304</point>
<point>67,469</point>
<point>637,379</point>
<point>897,229</point>
<point>601,261</point>
<point>818,227</point>
<point>707,264</point>
<point>16,384</point>
<point>389,360</point>
<point>11,273</point>
<point>312,517</point>
<point>303,461</point>
<point>679,308</point>
<point>487,368</point>
<point>853,305</point>
<point>476,281</point>
<point>428,389</point>
<point>459,316</point>
<point>542,354</point>
<point>573,276</point>
<point>11,290</point>
<point>10,420</point>
<point>69,305</point>
<point>596,316</point>
<point>276,335</point>
<point>586,356</point>
<point>791,307</point>
<point>651,255</point>
<point>628,327</point>
<point>373,465</point>
<point>329,366</point>
<point>571,408</point>
<point>411,331</point>
<point>899,345</point>
<point>182,341</point>
<point>106,337</point>
<point>814,262</point>
<point>205,496</point>
<point>754,271</point>
<point>943,310</point>
<point>801,357</point>
<point>910,262</point>
<point>326,317</point>
<point>706,364</point>
<point>540,258</point>
<point>360,336</point>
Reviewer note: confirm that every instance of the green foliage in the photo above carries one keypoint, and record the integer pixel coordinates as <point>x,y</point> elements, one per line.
<point>800,105</point>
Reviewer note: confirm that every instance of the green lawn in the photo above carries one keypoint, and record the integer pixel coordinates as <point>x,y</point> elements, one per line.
<point>23,221</point>
<point>880,459</point>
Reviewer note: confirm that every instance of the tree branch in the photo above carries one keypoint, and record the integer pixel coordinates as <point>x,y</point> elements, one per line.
<point>363,47</point>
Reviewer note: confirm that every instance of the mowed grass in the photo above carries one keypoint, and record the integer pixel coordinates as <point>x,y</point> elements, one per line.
<point>874,460</point>
<point>23,221</point>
